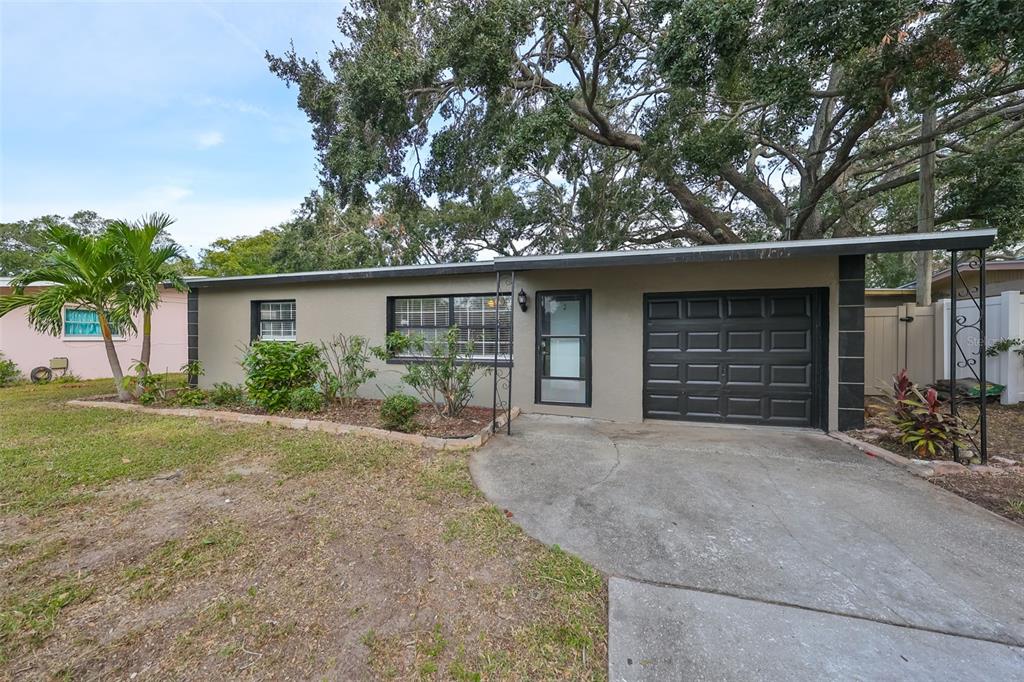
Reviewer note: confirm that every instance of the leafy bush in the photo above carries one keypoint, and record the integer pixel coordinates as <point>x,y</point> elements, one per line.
<point>306,399</point>
<point>224,393</point>
<point>1005,346</point>
<point>345,368</point>
<point>398,412</point>
<point>274,369</point>
<point>445,379</point>
<point>189,397</point>
<point>193,368</point>
<point>922,423</point>
<point>9,372</point>
<point>148,388</point>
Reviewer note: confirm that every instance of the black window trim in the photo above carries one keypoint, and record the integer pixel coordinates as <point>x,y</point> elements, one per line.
<point>587,297</point>
<point>489,361</point>
<point>255,319</point>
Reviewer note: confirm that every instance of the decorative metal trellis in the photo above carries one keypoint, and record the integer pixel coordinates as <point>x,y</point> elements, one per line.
<point>962,325</point>
<point>504,294</point>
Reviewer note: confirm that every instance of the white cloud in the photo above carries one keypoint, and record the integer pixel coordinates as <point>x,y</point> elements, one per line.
<point>211,138</point>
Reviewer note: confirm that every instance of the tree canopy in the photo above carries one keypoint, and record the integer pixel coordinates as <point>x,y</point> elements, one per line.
<point>23,244</point>
<point>531,125</point>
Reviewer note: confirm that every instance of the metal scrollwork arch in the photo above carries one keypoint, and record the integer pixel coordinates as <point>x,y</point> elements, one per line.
<point>504,293</point>
<point>960,328</point>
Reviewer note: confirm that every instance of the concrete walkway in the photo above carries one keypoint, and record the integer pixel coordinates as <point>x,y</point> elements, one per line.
<point>746,553</point>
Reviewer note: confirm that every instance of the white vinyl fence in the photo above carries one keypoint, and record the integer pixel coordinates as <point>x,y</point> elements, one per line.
<point>918,338</point>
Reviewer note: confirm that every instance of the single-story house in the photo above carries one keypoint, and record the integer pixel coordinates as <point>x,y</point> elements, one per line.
<point>81,344</point>
<point>768,333</point>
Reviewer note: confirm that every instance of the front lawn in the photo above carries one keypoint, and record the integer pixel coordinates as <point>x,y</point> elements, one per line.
<point>176,548</point>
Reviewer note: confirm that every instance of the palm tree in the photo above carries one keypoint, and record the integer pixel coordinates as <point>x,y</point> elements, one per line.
<point>83,271</point>
<point>147,265</point>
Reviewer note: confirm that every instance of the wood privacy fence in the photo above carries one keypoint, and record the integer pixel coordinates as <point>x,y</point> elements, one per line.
<point>917,338</point>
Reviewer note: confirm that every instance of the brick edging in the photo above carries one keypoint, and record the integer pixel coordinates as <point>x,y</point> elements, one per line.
<point>919,467</point>
<point>302,424</point>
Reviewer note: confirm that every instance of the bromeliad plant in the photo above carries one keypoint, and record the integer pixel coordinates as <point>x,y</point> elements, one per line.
<point>923,424</point>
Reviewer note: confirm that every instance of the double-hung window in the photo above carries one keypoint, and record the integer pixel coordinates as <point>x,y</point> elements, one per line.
<point>84,325</point>
<point>273,320</point>
<point>483,322</point>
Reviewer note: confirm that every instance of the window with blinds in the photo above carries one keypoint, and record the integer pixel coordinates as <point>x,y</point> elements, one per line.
<point>277,320</point>
<point>484,322</point>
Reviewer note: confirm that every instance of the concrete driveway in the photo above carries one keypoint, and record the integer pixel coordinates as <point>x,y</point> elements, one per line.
<point>756,553</point>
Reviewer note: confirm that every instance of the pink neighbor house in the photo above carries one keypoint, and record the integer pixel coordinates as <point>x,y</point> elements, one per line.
<point>82,345</point>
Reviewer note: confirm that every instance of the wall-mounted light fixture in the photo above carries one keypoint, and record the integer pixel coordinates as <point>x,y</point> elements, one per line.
<point>523,300</point>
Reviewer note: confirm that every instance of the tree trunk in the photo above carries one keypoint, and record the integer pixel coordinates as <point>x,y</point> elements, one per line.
<point>147,335</point>
<point>115,365</point>
<point>926,205</point>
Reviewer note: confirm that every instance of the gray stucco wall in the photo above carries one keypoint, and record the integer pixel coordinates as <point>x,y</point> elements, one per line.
<point>359,307</point>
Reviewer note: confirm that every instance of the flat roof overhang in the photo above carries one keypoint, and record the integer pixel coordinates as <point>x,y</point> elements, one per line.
<point>719,253</point>
<point>851,246</point>
<point>443,269</point>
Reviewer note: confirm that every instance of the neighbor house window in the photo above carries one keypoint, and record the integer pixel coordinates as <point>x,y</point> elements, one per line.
<point>483,322</point>
<point>273,320</point>
<point>84,324</point>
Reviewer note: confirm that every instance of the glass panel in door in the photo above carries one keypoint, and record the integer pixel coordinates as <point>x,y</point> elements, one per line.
<point>563,348</point>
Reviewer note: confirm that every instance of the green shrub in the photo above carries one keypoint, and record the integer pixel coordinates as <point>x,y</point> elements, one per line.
<point>274,369</point>
<point>306,399</point>
<point>345,367</point>
<point>9,372</point>
<point>189,397</point>
<point>445,378</point>
<point>224,393</point>
<point>398,412</point>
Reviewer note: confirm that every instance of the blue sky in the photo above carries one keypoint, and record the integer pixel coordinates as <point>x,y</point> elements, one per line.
<point>131,107</point>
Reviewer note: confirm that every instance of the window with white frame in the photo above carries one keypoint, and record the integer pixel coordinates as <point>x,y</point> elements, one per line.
<point>84,325</point>
<point>276,320</point>
<point>483,321</point>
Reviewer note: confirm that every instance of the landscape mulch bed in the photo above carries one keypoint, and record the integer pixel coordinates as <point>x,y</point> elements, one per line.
<point>1005,429</point>
<point>366,412</point>
<point>1002,492</point>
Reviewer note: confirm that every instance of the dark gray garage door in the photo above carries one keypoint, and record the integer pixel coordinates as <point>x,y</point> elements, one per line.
<point>745,357</point>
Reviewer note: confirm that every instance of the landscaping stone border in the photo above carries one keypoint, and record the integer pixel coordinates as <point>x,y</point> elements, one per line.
<point>925,468</point>
<point>302,424</point>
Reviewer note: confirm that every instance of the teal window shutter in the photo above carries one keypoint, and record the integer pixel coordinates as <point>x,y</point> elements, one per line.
<point>81,323</point>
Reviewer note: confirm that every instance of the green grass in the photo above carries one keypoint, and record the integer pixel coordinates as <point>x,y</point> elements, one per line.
<point>53,455</point>
<point>32,614</point>
<point>1016,506</point>
<point>316,452</point>
<point>176,560</point>
<point>485,528</point>
<point>446,474</point>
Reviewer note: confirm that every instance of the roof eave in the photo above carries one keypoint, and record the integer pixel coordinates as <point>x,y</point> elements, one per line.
<point>966,240</point>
